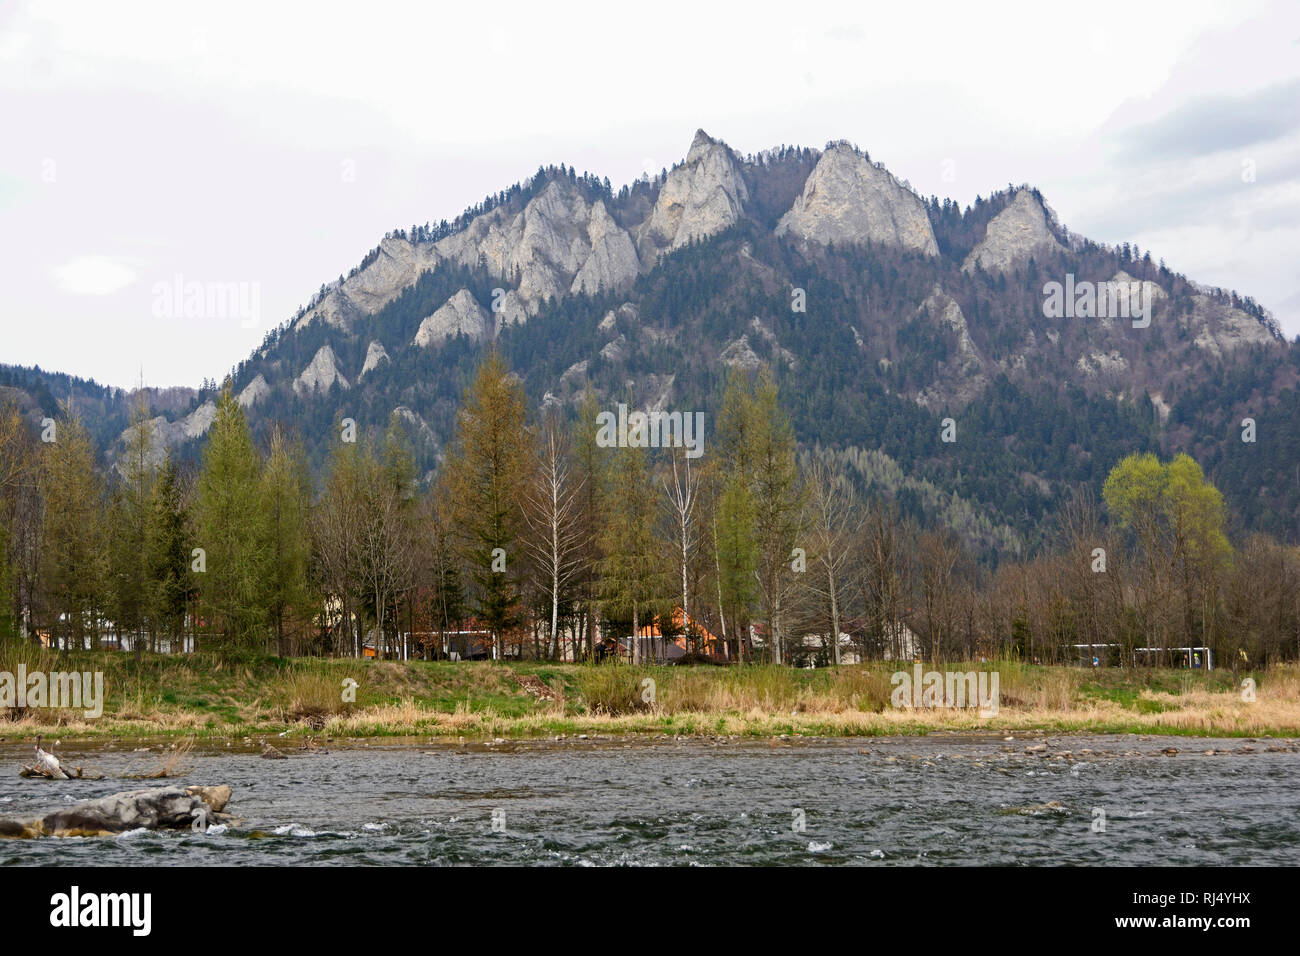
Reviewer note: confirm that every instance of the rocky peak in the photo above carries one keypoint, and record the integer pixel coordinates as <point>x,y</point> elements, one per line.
<point>612,263</point>
<point>321,373</point>
<point>459,314</point>
<point>847,198</point>
<point>257,388</point>
<point>1014,235</point>
<point>1220,328</point>
<point>704,195</point>
<point>700,145</point>
<point>164,435</point>
<point>376,355</point>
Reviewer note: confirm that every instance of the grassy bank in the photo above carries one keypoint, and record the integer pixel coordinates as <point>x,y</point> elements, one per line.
<point>204,696</point>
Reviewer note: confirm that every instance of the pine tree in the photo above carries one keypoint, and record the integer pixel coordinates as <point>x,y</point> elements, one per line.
<point>590,466</point>
<point>128,520</point>
<point>167,551</point>
<point>634,571</point>
<point>73,565</point>
<point>284,491</point>
<point>485,472</point>
<point>231,526</point>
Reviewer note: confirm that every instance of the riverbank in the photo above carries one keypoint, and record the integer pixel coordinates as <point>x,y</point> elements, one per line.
<point>205,697</point>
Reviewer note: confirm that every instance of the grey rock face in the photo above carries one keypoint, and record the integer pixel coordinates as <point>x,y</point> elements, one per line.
<point>164,435</point>
<point>322,372</point>
<point>612,263</point>
<point>848,199</point>
<point>738,354</point>
<point>1013,235</point>
<point>400,263</point>
<point>460,314</point>
<point>702,196</point>
<point>376,355</point>
<point>614,351</point>
<point>559,243</point>
<point>335,310</point>
<point>1220,328</point>
<point>254,390</point>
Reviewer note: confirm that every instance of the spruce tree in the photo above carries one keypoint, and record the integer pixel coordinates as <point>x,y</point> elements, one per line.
<point>167,557</point>
<point>485,474</point>
<point>73,565</point>
<point>284,488</point>
<point>231,531</point>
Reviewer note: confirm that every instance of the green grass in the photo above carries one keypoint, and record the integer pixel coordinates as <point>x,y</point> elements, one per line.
<point>202,695</point>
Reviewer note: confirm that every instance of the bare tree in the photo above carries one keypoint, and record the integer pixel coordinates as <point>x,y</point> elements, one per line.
<point>682,494</point>
<point>554,538</point>
<point>834,520</point>
<point>939,553</point>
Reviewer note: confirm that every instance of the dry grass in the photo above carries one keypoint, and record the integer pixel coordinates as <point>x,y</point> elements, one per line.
<point>205,697</point>
<point>172,763</point>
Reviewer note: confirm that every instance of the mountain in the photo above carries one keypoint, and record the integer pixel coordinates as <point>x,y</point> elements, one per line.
<point>881,312</point>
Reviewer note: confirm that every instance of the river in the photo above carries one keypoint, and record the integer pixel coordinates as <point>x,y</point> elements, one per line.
<point>936,800</point>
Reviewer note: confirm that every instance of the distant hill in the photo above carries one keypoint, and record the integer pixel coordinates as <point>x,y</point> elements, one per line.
<point>881,312</point>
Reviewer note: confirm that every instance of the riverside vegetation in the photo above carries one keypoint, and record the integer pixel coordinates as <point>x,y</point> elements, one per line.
<point>208,696</point>
<point>542,543</point>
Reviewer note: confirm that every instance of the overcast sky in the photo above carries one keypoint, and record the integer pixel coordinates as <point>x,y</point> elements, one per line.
<point>273,144</point>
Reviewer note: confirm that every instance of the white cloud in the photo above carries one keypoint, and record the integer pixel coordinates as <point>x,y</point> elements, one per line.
<point>209,141</point>
<point>93,275</point>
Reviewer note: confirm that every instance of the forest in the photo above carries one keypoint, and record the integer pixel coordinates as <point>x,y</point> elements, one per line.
<point>532,534</point>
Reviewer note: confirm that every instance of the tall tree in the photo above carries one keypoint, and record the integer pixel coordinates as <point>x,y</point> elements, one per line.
<point>486,467</point>
<point>231,526</point>
<point>732,528</point>
<point>73,564</point>
<point>20,519</point>
<point>834,520</point>
<point>778,500</point>
<point>681,489</point>
<point>551,505</point>
<point>590,471</point>
<point>336,532</point>
<point>634,568</point>
<point>128,521</point>
<point>167,557</point>
<point>285,506</point>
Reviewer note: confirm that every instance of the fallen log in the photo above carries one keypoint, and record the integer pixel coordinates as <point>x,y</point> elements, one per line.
<point>63,773</point>
<point>162,808</point>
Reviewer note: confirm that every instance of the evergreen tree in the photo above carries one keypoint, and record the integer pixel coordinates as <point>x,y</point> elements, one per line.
<point>128,521</point>
<point>231,526</point>
<point>73,564</point>
<point>167,562</point>
<point>284,490</point>
<point>485,473</point>
<point>635,568</point>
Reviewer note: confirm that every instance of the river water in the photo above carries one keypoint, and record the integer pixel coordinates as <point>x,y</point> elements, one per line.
<point>936,800</point>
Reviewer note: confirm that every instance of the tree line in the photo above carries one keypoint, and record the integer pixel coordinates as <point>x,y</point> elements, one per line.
<point>533,540</point>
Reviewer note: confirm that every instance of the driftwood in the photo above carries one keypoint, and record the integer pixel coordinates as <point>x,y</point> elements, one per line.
<point>62,773</point>
<point>163,808</point>
<point>48,767</point>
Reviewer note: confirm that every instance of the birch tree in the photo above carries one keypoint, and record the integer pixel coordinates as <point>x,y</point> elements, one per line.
<point>554,538</point>
<point>834,520</point>
<point>681,488</point>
